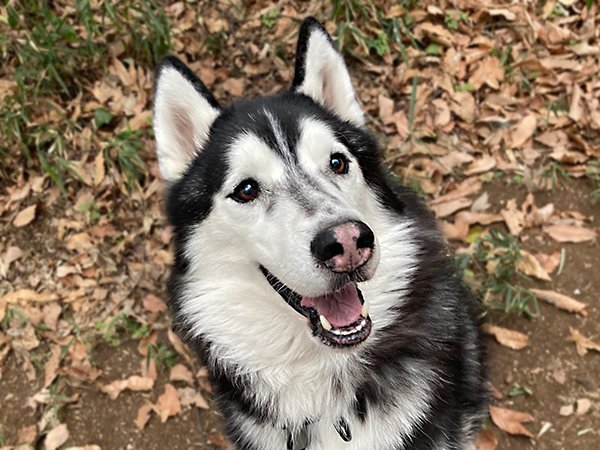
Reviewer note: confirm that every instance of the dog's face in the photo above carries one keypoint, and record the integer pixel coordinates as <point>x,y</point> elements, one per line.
<point>273,203</point>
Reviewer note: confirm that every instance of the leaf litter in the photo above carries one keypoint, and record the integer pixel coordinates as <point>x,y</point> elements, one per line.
<point>504,90</point>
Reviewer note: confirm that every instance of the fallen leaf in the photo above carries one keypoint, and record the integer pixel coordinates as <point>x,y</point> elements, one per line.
<point>189,396</point>
<point>99,170</point>
<point>168,403</point>
<point>235,86</point>
<point>27,434</point>
<point>24,296</point>
<point>548,262</point>
<point>486,440</point>
<point>566,410</point>
<point>570,233</point>
<point>511,421</point>
<point>181,373</point>
<point>582,343</point>
<point>11,255</point>
<point>56,437</point>
<point>513,217</point>
<point>133,383</point>
<point>180,347</point>
<point>523,131</point>
<point>51,366</point>
<point>559,376</point>
<point>143,416</point>
<point>481,165</point>
<point>508,338</point>
<point>529,265</point>
<point>583,406</point>
<point>446,209</point>
<point>154,304</point>
<point>386,109</point>
<point>25,216</point>
<point>561,301</point>
<point>467,187</point>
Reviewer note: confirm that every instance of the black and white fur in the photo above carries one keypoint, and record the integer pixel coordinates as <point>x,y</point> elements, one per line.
<point>418,380</point>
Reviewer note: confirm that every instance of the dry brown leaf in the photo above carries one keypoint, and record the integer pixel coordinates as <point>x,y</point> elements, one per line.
<point>566,410</point>
<point>51,366</point>
<point>27,434</point>
<point>463,105</point>
<point>154,304</point>
<point>511,421</point>
<point>486,440</point>
<point>448,208</point>
<point>529,265</point>
<point>24,296</point>
<point>168,403</point>
<point>50,314</point>
<point>561,301</point>
<point>143,416</point>
<point>582,343</point>
<point>133,383</point>
<point>513,217</point>
<point>99,170</point>
<point>480,165</point>
<point>570,233</point>
<point>467,187</point>
<point>235,86</point>
<point>189,396</point>
<point>508,338</point>
<point>56,437</point>
<point>11,255</point>
<point>523,131</point>
<point>180,347</point>
<point>386,109</point>
<point>548,262</point>
<point>25,216</point>
<point>181,373</point>
<point>583,406</point>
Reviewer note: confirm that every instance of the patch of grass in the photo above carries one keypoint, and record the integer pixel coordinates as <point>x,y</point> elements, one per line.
<point>110,330</point>
<point>162,354</point>
<point>518,390</point>
<point>126,149</point>
<point>554,172</point>
<point>593,173</point>
<point>362,25</point>
<point>269,18</point>
<point>491,269</point>
<point>57,55</point>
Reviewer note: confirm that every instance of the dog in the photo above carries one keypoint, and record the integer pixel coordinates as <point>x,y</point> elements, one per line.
<point>317,289</point>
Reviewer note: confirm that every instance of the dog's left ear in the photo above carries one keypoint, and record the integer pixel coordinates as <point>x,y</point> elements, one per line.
<point>322,75</point>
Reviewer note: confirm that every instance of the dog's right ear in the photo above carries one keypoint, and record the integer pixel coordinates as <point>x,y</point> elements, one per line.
<point>184,111</point>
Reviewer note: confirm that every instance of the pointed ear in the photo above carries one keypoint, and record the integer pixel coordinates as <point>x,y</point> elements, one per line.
<point>322,75</point>
<point>184,111</point>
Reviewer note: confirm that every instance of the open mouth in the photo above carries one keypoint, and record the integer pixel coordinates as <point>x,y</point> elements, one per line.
<point>340,318</point>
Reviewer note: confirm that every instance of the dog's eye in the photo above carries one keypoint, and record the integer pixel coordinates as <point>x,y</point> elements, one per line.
<point>339,164</point>
<point>246,191</point>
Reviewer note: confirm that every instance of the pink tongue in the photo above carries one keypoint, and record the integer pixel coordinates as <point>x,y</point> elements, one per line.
<point>340,308</point>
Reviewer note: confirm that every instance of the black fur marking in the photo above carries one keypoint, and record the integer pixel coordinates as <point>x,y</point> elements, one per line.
<point>309,25</point>
<point>172,61</point>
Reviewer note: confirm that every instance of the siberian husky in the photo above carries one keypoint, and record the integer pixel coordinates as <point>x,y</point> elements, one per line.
<point>316,289</point>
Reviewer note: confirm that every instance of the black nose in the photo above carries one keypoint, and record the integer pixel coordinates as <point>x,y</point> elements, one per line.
<point>343,247</point>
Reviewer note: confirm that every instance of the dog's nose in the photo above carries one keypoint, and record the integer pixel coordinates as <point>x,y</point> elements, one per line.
<point>344,247</point>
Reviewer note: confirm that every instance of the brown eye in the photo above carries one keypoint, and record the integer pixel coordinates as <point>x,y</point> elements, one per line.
<point>339,164</point>
<point>246,191</point>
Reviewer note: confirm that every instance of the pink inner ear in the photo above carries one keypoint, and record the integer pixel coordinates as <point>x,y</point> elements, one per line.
<point>185,132</point>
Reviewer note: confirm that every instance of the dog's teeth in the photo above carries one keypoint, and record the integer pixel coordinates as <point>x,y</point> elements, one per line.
<point>365,309</point>
<point>325,323</point>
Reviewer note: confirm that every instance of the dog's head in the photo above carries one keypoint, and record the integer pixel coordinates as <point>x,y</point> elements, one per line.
<point>276,204</point>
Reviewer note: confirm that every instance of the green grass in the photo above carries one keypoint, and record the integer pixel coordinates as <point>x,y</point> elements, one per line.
<point>554,172</point>
<point>111,330</point>
<point>363,27</point>
<point>491,269</point>
<point>593,173</point>
<point>58,56</point>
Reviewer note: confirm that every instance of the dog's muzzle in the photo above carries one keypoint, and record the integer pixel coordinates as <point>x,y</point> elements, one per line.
<point>341,317</point>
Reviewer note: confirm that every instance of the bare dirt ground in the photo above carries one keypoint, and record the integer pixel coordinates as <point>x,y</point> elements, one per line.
<point>489,110</point>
